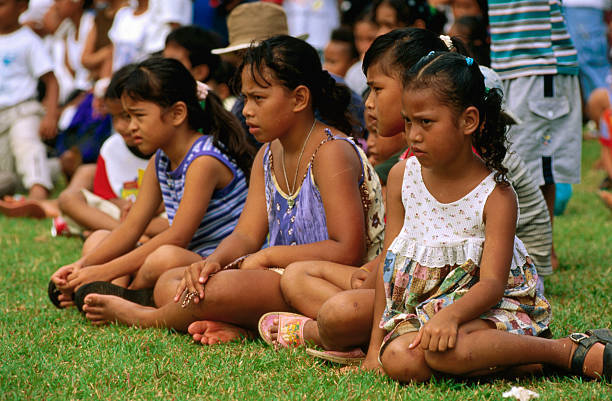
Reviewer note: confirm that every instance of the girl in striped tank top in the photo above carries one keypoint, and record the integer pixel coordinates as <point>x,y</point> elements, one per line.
<point>198,176</point>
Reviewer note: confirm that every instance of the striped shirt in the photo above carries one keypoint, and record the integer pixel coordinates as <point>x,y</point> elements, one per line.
<point>224,207</point>
<point>529,37</point>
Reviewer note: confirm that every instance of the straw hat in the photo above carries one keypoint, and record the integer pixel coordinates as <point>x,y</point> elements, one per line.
<point>254,22</point>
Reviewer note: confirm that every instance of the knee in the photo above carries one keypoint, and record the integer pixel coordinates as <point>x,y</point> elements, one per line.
<point>403,364</point>
<point>159,261</point>
<point>336,318</point>
<point>453,361</point>
<point>93,240</point>
<point>292,280</point>
<point>68,198</point>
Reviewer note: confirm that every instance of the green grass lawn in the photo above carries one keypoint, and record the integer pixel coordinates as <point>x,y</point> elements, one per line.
<point>46,353</point>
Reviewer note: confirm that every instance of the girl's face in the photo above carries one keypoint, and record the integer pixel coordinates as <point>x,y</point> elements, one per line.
<point>148,126</point>
<point>465,8</point>
<point>268,110</point>
<point>433,130</point>
<point>383,103</point>
<point>365,33</point>
<point>386,18</point>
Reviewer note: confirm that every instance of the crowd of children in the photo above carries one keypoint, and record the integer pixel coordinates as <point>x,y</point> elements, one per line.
<point>258,194</point>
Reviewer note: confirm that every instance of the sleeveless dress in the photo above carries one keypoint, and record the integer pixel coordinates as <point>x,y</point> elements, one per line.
<point>225,205</point>
<point>301,219</point>
<point>435,260</point>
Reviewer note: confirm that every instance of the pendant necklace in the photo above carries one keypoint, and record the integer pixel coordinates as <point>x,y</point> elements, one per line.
<point>291,198</point>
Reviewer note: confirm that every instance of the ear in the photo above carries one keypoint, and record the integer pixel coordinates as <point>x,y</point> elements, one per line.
<point>301,98</point>
<point>178,113</point>
<point>200,72</point>
<point>470,120</point>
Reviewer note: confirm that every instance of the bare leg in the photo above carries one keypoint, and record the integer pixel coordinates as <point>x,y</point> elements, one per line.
<point>481,350</point>
<point>307,285</point>
<point>238,297</point>
<point>345,321</point>
<point>38,192</point>
<point>161,260</point>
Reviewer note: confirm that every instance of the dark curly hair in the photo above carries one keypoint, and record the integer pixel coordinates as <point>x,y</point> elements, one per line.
<point>294,62</point>
<point>459,85</point>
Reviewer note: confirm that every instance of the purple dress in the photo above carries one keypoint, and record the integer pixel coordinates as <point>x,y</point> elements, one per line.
<point>305,222</point>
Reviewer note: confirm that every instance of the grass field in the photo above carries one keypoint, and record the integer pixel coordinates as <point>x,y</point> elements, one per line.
<point>46,353</point>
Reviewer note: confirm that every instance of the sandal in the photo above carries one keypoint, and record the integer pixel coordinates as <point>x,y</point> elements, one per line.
<point>54,294</point>
<point>290,329</point>
<point>352,357</point>
<point>142,297</point>
<point>584,343</point>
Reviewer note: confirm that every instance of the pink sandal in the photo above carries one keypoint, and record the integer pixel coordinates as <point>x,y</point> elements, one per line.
<point>290,329</point>
<point>353,357</point>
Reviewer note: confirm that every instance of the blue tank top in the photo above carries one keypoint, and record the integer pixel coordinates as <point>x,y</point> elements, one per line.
<point>225,205</point>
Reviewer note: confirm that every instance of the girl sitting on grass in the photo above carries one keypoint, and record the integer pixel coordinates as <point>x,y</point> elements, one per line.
<point>457,291</point>
<point>200,178</point>
<point>311,191</point>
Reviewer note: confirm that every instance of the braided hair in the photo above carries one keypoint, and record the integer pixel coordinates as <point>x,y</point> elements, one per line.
<point>459,84</point>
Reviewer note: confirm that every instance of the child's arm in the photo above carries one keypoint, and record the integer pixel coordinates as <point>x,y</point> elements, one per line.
<point>248,236</point>
<point>202,178</point>
<point>93,59</point>
<point>336,170</point>
<point>440,332</point>
<point>395,221</point>
<point>48,125</point>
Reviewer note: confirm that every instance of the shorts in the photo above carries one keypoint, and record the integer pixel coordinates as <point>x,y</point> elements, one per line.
<point>549,138</point>
<point>97,202</point>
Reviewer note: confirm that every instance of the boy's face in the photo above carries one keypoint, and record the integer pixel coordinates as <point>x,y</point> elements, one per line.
<point>384,102</point>
<point>9,14</point>
<point>365,33</point>
<point>337,57</point>
<point>177,52</point>
<point>465,8</point>
<point>121,120</point>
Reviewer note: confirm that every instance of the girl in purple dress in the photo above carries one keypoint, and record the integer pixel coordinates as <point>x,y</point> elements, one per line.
<point>312,194</point>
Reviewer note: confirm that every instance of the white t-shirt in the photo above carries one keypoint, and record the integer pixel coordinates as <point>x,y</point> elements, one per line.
<point>165,13</point>
<point>119,167</point>
<point>67,48</point>
<point>317,18</point>
<point>36,11</point>
<point>23,59</point>
<point>130,34</point>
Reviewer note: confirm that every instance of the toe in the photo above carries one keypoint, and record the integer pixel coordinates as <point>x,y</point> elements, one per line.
<point>196,328</point>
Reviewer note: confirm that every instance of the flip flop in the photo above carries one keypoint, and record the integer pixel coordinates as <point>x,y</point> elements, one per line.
<point>352,357</point>
<point>142,297</point>
<point>23,208</point>
<point>54,294</point>
<point>585,342</point>
<point>290,329</point>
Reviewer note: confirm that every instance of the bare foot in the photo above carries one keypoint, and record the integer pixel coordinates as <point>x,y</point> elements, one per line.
<point>104,309</point>
<point>554,260</point>
<point>65,300</point>
<point>208,332</point>
<point>606,197</point>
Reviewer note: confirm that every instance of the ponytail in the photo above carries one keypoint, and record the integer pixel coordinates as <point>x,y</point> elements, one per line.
<point>293,62</point>
<point>332,103</point>
<point>166,81</point>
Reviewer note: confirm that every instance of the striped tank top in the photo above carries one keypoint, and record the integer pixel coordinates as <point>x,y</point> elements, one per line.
<point>225,205</point>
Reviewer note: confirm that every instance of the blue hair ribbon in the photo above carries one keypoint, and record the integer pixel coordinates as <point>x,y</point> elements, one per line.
<point>469,61</point>
<point>430,53</point>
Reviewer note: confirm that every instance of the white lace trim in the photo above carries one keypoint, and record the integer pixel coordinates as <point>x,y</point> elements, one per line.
<point>453,254</point>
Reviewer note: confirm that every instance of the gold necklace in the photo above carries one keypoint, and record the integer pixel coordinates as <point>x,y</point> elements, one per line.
<point>291,198</point>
